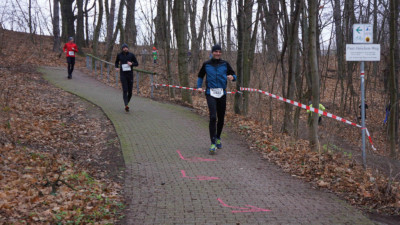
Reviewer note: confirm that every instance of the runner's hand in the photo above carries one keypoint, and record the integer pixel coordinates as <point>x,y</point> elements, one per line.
<point>129,63</point>
<point>116,69</point>
<point>200,90</point>
<point>230,77</point>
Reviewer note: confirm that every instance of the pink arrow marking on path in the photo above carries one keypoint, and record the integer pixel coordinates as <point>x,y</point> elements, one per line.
<point>197,159</point>
<point>243,210</point>
<point>198,177</point>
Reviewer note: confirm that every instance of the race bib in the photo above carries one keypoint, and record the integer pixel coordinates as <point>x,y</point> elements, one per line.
<point>217,92</point>
<point>126,67</point>
<point>71,53</point>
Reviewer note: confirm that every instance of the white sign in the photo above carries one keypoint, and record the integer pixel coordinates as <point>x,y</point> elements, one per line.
<point>363,33</point>
<point>363,52</point>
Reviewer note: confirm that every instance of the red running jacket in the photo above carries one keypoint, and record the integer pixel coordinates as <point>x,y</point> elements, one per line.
<point>70,49</point>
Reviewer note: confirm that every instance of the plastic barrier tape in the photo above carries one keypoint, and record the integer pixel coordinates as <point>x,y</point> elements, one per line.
<point>311,109</point>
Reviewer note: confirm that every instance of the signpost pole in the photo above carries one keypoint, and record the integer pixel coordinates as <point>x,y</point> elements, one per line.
<point>363,115</point>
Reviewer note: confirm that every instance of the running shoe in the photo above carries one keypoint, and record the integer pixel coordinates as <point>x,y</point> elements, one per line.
<point>218,143</point>
<point>213,149</point>
<point>126,108</point>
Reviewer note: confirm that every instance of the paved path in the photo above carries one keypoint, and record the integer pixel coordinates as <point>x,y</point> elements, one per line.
<point>171,179</point>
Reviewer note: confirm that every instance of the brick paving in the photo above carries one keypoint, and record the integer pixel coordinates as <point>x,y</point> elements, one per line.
<point>237,188</point>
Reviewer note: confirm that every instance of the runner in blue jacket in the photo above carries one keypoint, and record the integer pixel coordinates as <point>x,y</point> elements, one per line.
<point>217,72</point>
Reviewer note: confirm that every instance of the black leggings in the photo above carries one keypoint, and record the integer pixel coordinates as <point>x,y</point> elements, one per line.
<point>217,107</point>
<point>127,85</point>
<point>71,63</point>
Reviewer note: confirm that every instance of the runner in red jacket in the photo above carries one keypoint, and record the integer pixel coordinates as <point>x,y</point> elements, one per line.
<point>70,48</point>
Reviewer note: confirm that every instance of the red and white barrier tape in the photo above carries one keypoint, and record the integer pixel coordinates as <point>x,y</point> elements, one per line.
<point>187,88</point>
<point>284,100</point>
<point>311,109</point>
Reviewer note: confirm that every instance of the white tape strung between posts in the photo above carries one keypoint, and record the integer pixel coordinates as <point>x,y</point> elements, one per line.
<point>311,109</point>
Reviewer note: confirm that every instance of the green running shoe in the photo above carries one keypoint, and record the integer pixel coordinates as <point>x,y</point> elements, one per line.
<point>213,149</point>
<point>219,144</point>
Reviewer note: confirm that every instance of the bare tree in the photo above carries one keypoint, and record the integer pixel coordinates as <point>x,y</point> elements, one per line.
<point>293,41</point>
<point>312,15</point>
<point>210,23</point>
<point>110,14</point>
<point>160,23</point>
<point>96,35</point>
<point>393,80</point>
<point>80,39</point>
<point>246,47</point>
<point>130,23</point>
<point>68,29</point>
<point>229,27</point>
<point>118,27</point>
<point>179,27</point>
<point>56,26</point>
<point>196,38</point>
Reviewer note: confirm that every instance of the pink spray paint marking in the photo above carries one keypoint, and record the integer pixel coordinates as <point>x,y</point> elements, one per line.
<point>243,210</point>
<point>198,177</point>
<point>197,159</point>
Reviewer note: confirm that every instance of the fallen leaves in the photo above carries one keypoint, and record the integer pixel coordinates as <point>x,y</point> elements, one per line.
<point>46,138</point>
<point>334,171</point>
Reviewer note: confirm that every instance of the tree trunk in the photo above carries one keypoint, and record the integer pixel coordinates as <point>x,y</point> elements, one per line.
<point>160,24</point>
<point>312,8</point>
<point>118,27</point>
<point>196,39</point>
<point>210,23</point>
<point>67,15</point>
<point>110,28</point>
<point>96,34</point>
<point>80,39</point>
<point>87,23</point>
<point>179,27</point>
<point>246,46</point>
<point>293,40</point>
<point>229,27</point>
<point>56,26</point>
<point>339,45</point>
<point>130,23</point>
<point>272,29</point>
<point>393,80</point>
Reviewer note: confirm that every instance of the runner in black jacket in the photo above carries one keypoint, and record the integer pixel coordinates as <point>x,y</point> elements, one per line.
<point>124,63</point>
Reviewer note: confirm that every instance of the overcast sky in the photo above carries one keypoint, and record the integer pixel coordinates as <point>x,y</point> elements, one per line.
<point>14,15</point>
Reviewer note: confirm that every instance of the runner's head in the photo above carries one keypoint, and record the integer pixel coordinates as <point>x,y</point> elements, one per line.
<point>70,39</point>
<point>124,47</point>
<point>154,48</point>
<point>216,51</point>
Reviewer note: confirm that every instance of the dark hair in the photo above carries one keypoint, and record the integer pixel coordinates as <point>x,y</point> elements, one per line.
<point>124,46</point>
<point>216,48</point>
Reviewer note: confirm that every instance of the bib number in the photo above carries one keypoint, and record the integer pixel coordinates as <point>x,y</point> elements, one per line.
<point>126,67</point>
<point>217,92</point>
<point>71,53</point>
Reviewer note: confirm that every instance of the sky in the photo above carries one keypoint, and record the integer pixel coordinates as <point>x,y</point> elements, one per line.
<point>14,16</point>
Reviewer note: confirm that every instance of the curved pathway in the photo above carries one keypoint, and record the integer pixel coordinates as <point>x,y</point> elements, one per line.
<point>171,179</point>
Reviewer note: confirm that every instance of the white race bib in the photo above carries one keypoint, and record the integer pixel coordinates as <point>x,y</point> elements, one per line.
<point>126,67</point>
<point>71,53</point>
<point>216,92</point>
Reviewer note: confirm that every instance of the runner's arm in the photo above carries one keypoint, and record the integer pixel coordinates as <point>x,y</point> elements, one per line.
<point>201,75</point>
<point>134,61</point>
<point>117,62</point>
<point>230,71</point>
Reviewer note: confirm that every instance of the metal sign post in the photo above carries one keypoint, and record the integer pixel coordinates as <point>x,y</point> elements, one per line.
<point>364,157</point>
<point>361,51</point>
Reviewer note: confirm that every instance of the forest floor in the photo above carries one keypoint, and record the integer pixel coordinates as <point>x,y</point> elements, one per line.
<point>336,168</point>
